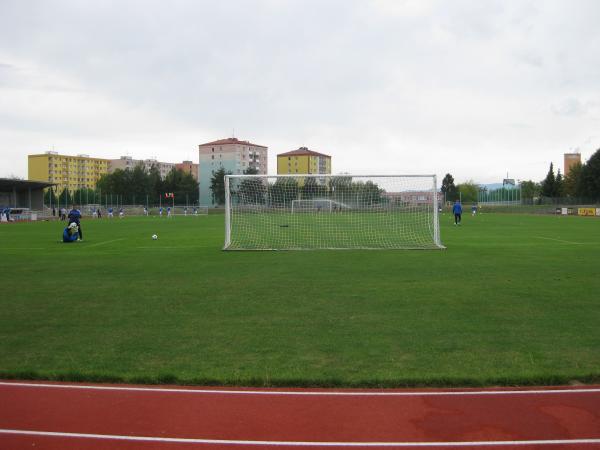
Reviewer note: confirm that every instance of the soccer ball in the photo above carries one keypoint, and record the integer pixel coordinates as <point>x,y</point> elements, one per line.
<point>154,237</point>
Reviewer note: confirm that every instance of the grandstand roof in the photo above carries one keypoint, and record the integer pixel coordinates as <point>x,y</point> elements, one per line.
<point>7,184</point>
<point>303,151</point>
<point>232,141</point>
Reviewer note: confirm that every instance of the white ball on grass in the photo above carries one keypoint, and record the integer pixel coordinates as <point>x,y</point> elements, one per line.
<point>154,237</point>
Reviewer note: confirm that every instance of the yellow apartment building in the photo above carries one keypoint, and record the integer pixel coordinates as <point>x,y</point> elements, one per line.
<point>67,172</point>
<point>303,161</point>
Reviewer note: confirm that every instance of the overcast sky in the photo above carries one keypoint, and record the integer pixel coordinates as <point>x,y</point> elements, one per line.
<point>475,88</point>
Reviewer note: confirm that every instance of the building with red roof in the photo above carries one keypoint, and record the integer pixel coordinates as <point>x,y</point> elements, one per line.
<point>303,161</point>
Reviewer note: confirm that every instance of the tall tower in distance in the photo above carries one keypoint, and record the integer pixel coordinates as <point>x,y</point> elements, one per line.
<point>570,160</point>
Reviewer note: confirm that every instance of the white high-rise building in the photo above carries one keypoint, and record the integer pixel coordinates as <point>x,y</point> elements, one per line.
<point>231,154</point>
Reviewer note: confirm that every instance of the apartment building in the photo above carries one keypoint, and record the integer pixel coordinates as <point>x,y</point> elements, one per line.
<point>67,172</point>
<point>303,161</point>
<point>127,162</point>
<point>188,167</point>
<point>231,154</point>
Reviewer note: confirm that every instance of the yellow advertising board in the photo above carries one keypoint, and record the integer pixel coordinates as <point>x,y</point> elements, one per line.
<point>586,211</point>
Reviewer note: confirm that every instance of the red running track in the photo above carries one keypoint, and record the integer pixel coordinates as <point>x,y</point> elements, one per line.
<point>75,416</point>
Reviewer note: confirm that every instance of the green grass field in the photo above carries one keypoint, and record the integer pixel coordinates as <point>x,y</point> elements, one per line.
<point>514,299</point>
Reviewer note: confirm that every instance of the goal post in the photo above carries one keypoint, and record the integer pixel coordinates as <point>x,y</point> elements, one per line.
<point>304,212</point>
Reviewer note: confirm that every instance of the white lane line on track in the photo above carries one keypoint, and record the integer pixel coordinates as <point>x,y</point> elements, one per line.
<point>299,443</point>
<point>560,240</point>
<point>303,393</point>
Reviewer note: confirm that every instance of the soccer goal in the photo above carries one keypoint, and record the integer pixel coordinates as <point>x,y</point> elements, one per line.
<point>303,212</point>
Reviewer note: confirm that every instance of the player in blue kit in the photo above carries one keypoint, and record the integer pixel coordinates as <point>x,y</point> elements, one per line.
<point>70,233</point>
<point>457,210</point>
<point>75,218</point>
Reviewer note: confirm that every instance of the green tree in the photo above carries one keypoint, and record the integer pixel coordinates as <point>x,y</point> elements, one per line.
<point>468,191</point>
<point>548,186</point>
<point>65,199</point>
<point>449,189</point>
<point>252,190</point>
<point>83,196</point>
<point>367,192</point>
<point>313,188</point>
<point>572,183</point>
<point>182,184</point>
<point>155,183</point>
<point>283,191</point>
<point>590,177</point>
<point>217,186</point>
<point>140,185</point>
<point>530,189</point>
<point>559,185</point>
<point>50,198</point>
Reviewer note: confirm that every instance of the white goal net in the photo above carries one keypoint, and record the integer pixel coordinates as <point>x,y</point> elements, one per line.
<point>302,212</point>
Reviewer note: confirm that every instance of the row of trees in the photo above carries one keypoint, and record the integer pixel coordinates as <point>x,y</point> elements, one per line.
<point>466,191</point>
<point>132,187</point>
<point>284,190</point>
<point>582,182</point>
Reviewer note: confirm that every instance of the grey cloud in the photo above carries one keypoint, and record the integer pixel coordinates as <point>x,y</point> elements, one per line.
<point>573,107</point>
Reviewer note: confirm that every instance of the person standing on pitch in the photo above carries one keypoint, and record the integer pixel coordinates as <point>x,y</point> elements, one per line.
<point>474,209</point>
<point>457,210</point>
<point>75,217</point>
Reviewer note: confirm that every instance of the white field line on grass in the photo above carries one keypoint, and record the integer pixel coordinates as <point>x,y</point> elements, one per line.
<point>300,443</point>
<point>179,247</point>
<point>304,393</point>
<point>561,240</point>
<point>104,242</point>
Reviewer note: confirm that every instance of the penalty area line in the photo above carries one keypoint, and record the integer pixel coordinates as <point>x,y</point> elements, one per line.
<point>104,242</point>
<point>117,437</point>
<point>560,240</point>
